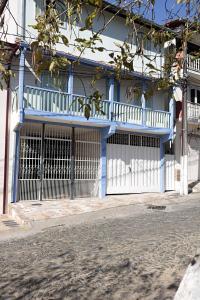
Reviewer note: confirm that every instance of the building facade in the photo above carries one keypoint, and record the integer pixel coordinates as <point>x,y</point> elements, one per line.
<point>53,151</point>
<point>192,113</point>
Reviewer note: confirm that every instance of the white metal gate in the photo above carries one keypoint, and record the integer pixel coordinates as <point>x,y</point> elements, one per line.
<point>169,172</point>
<point>133,164</point>
<point>193,158</point>
<point>47,163</point>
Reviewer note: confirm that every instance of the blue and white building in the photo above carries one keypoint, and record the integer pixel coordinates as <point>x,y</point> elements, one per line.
<point>54,151</point>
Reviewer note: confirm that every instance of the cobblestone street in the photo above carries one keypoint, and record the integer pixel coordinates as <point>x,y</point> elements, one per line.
<point>127,252</point>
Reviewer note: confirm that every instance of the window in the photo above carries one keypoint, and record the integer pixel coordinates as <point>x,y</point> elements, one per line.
<point>55,82</point>
<point>192,95</point>
<point>116,90</point>
<point>41,6</point>
<point>198,96</point>
<point>195,95</point>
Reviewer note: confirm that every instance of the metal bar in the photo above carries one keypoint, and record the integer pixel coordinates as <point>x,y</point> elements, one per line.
<point>42,163</point>
<point>72,169</point>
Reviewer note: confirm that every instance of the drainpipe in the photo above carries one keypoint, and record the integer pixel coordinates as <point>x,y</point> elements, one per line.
<point>6,149</point>
<point>23,20</point>
<point>6,143</point>
<point>21,120</point>
<point>21,83</point>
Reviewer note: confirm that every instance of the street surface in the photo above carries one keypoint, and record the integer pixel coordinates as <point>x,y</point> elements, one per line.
<point>129,252</point>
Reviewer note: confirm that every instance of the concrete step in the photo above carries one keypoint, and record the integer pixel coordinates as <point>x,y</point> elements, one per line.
<point>194,187</point>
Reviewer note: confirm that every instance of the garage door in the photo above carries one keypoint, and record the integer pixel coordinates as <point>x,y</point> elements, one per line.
<point>133,164</point>
<point>193,158</point>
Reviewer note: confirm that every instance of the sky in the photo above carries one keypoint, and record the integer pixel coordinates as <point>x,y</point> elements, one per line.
<point>172,10</point>
<point>164,9</point>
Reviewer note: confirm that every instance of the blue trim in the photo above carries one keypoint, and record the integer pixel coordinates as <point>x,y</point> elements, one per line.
<point>60,124</point>
<point>143,101</point>
<point>15,172</point>
<point>105,133</point>
<point>107,67</point>
<point>92,121</point>
<point>162,166</point>
<point>118,90</point>
<point>70,85</point>
<point>21,83</point>
<point>103,167</point>
<point>171,110</point>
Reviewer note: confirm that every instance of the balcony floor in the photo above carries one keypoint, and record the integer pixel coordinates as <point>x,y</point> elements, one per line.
<point>49,117</point>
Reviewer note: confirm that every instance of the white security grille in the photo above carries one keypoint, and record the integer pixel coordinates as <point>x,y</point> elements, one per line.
<point>29,164</point>
<point>134,140</point>
<point>49,167</point>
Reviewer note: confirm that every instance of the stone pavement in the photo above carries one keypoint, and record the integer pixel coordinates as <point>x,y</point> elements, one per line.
<point>26,212</point>
<point>125,252</point>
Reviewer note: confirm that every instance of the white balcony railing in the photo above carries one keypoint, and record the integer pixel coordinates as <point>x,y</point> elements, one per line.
<point>193,64</point>
<point>193,111</point>
<point>56,102</point>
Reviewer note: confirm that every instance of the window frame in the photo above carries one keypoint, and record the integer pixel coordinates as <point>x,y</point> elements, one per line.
<point>196,91</point>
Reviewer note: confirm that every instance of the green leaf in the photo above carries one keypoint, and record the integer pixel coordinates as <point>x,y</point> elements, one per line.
<point>65,40</point>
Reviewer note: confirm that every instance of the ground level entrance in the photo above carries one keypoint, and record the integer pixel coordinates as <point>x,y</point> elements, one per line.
<point>193,158</point>
<point>58,162</point>
<point>133,164</point>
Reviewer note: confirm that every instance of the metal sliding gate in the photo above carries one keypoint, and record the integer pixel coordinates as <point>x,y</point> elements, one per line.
<point>133,164</point>
<point>58,162</point>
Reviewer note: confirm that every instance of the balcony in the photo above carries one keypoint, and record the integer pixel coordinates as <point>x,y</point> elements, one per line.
<point>51,103</point>
<point>193,64</point>
<point>193,111</point>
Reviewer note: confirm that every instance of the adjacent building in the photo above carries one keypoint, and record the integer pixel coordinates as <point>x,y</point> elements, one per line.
<point>49,150</point>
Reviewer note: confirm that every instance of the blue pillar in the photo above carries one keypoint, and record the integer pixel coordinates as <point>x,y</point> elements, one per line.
<point>171,110</point>
<point>118,91</point>
<point>15,169</point>
<point>21,83</point>
<point>70,85</point>
<point>111,88</point>
<point>143,101</point>
<point>162,166</point>
<point>103,167</point>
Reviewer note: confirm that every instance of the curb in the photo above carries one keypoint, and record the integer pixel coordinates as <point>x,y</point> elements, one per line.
<point>17,217</point>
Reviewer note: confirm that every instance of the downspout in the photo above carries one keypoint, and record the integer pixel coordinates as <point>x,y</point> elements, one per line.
<point>6,148</point>
<point>6,143</point>
<point>23,24</point>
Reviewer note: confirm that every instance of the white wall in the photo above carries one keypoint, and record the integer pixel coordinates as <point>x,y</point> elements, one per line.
<point>114,34</point>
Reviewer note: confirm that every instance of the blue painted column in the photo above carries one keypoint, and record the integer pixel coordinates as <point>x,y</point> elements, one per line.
<point>143,101</point>
<point>103,166</point>
<point>15,169</point>
<point>171,110</point>
<point>118,91</point>
<point>70,86</point>
<point>162,166</point>
<point>21,83</point>
<point>111,88</point>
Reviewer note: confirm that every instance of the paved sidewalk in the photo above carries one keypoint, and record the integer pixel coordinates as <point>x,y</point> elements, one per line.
<point>26,212</point>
